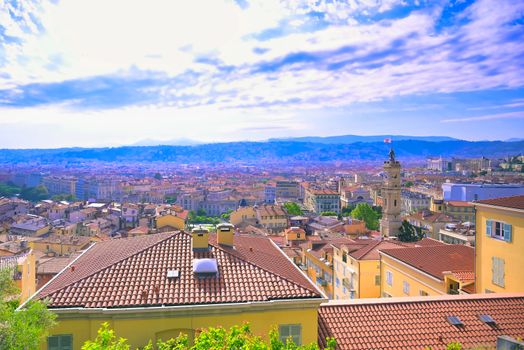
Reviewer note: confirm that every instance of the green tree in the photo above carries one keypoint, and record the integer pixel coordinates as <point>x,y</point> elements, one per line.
<point>408,184</point>
<point>170,199</point>
<point>328,213</point>
<point>292,208</point>
<point>226,215</point>
<point>34,194</point>
<point>237,337</point>
<point>158,176</point>
<point>25,328</point>
<point>8,189</point>
<point>409,233</point>
<point>346,211</point>
<point>364,212</point>
<point>106,340</point>
<point>64,197</point>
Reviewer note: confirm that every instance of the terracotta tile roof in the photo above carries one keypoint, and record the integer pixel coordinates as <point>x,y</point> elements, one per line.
<point>418,323</point>
<point>431,217</point>
<point>133,273</point>
<point>516,202</point>
<point>459,204</point>
<point>435,260</point>
<point>464,276</point>
<point>56,264</point>
<point>470,288</point>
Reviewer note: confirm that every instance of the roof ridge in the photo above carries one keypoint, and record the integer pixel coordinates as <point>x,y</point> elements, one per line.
<point>262,268</point>
<point>372,246</point>
<point>114,263</point>
<point>422,299</point>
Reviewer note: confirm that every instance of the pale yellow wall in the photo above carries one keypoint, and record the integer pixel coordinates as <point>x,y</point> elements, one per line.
<point>417,280</point>
<point>242,214</point>
<point>170,220</point>
<point>364,275</point>
<point>139,330</point>
<point>512,252</point>
<point>57,248</point>
<point>27,283</point>
<point>328,289</point>
<point>368,270</point>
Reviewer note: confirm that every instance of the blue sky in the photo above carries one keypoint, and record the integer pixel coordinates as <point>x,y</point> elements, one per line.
<point>95,73</point>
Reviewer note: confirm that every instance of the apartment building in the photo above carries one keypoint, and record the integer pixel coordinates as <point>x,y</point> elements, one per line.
<point>60,185</point>
<point>357,268</point>
<point>500,245</point>
<point>479,191</point>
<point>322,200</point>
<point>433,269</point>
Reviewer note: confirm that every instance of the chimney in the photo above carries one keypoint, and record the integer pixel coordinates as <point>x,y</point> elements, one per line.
<point>200,237</point>
<point>225,233</point>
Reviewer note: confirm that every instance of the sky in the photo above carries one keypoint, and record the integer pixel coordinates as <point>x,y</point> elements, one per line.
<point>115,72</point>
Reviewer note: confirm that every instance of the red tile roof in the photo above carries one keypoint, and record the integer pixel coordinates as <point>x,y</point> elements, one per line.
<point>516,202</point>
<point>132,272</point>
<point>418,323</point>
<point>435,260</point>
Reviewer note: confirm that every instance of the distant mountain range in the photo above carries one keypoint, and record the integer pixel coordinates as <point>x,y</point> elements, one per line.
<point>270,151</point>
<point>173,142</point>
<point>357,138</point>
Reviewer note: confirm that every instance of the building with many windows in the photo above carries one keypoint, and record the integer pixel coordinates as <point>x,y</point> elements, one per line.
<point>356,266</point>
<point>500,245</point>
<point>322,200</point>
<point>434,268</point>
<point>479,191</point>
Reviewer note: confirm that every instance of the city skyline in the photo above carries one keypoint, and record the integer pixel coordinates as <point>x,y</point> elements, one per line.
<point>110,74</point>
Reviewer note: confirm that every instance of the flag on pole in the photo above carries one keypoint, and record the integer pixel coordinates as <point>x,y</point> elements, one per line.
<point>388,140</point>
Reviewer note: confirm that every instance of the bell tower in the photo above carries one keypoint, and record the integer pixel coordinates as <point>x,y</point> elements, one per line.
<point>391,222</point>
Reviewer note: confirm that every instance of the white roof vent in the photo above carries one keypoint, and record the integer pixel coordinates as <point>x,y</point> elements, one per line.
<point>172,274</point>
<point>205,267</point>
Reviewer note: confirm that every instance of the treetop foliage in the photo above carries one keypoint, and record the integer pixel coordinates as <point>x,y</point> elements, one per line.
<point>237,337</point>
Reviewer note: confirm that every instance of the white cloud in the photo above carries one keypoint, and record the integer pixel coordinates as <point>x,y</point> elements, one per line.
<point>510,115</point>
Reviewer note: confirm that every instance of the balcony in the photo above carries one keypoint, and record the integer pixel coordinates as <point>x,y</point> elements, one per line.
<point>322,282</point>
<point>346,282</point>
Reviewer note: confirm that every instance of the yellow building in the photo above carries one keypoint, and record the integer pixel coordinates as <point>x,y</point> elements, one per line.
<point>24,272</point>
<point>156,286</point>
<point>60,244</point>
<point>500,245</point>
<point>426,270</point>
<point>357,268</point>
<point>171,222</point>
<point>271,217</point>
<point>243,215</point>
<point>317,257</point>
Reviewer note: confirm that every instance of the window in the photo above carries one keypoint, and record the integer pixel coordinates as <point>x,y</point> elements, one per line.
<point>497,271</point>
<point>337,281</point>
<point>499,230</point>
<point>389,278</point>
<point>60,342</point>
<point>344,257</point>
<point>377,280</point>
<point>405,287</point>
<point>423,293</point>
<point>290,330</point>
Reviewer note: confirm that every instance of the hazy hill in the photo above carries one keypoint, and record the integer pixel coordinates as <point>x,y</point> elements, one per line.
<point>357,138</point>
<point>272,151</point>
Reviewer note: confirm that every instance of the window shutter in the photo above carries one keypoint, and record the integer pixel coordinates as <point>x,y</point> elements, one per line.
<point>507,232</point>
<point>501,272</point>
<point>494,270</point>
<point>489,227</point>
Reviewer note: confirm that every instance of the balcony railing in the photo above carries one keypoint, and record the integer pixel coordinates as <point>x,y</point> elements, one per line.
<point>346,282</point>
